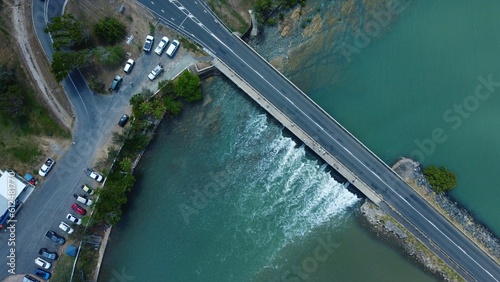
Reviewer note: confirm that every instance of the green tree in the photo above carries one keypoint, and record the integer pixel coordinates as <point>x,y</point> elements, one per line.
<point>64,62</point>
<point>109,30</point>
<point>67,32</point>
<point>146,108</point>
<point>167,88</point>
<point>109,55</point>
<point>188,87</point>
<point>126,164</point>
<point>172,106</point>
<point>440,179</point>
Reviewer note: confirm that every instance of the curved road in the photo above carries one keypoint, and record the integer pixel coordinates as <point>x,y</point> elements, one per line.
<point>194,19</point>
<point>51,201</point>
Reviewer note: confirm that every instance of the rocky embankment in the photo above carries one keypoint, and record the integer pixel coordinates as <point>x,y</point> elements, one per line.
<point>387,226</point>
<point>412,173</point>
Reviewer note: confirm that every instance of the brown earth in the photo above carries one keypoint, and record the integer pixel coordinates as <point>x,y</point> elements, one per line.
<point>137,21</point>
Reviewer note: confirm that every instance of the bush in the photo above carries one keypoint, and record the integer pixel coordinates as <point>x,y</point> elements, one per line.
<point>440,179</point>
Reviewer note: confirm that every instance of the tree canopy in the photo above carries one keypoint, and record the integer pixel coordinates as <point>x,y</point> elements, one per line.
<point>64,62</point>
<point>67,32</point>
<point>441,179</point>
<point>188,87</point>
<point>109,30</point>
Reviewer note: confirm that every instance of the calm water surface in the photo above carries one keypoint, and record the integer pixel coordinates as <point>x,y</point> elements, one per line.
<point>224,194</point>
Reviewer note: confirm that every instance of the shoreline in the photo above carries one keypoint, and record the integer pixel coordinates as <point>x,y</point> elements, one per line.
<point>382,223</point>
<point>411,172</point>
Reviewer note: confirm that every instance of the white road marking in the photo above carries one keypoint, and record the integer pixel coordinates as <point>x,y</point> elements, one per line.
<point>182,8</point>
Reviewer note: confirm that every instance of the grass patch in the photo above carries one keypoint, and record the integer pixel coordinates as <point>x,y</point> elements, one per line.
<point>62,272</point>
<point>231,17</point>
<point>188,45</point>
<point>26,152</point>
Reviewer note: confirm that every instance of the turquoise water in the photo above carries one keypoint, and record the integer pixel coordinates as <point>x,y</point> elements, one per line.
<point>224,194</point>
<point>412,81</point>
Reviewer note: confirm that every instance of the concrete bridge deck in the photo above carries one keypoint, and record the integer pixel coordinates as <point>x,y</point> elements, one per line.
<point>297,131</point>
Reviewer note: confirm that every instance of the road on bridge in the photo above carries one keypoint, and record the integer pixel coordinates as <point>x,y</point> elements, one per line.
<point>194,19</point>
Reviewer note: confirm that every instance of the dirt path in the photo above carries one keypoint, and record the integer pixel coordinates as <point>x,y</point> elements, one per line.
<point>36,64</point>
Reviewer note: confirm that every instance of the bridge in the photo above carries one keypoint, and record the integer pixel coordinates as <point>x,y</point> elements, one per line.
<point>325,136</point>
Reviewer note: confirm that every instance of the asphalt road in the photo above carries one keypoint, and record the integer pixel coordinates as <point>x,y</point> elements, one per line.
<point>48,205</point>
<point>195,20</point>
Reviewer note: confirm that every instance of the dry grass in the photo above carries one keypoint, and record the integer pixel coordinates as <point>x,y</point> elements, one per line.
<point>233,12</point>
<point>135,18</point>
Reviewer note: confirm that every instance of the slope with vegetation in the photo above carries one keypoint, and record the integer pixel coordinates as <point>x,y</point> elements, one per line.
<point>23,118</point>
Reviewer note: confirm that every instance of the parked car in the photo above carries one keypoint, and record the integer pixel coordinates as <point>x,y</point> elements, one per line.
<point>42,273</point>
<point>123,120</point>
<point>78,209</point>
<point>46,167</point>
<point>94,175</point>
<point>87,189</point>
<point>116,83</point>
<point>55,237</point>
<point>148,44</point>
<point>43,263</point>
<point>74,219</point>
<point>155,72</point>
<point>161,46</point>
<point>83,199</point>
<point>173,48</point>
<point>48,254</point>
<point>29,278</point>
<point>66,228</point>
<point>129,66</point>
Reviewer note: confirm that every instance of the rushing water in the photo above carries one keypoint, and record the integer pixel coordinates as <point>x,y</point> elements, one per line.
<point>225,194</point>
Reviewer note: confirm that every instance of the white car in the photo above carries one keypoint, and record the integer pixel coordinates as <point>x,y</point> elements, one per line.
<point>94,175</point>
<point>46,167</point>
<point>161,46</point>
<point>148,44</point>
<point>42,263</point>
<point>128,66</point>
<point>66,228</point>
<point>74,219</point>
<point>172,48</point>
<point>155,72</point>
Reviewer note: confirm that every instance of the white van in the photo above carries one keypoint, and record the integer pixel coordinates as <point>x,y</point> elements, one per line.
<point>83,200</point>
<point>172,48</point>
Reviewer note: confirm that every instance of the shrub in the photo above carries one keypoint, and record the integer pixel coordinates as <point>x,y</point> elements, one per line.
<point>440,179</point>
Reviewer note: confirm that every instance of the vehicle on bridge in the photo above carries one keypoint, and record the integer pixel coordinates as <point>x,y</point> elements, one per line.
<point>46,167</point>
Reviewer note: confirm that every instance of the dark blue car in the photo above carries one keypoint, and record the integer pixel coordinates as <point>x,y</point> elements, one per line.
<point>42,273</point>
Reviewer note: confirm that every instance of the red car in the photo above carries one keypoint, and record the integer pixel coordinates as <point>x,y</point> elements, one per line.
<point>77,208</point>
